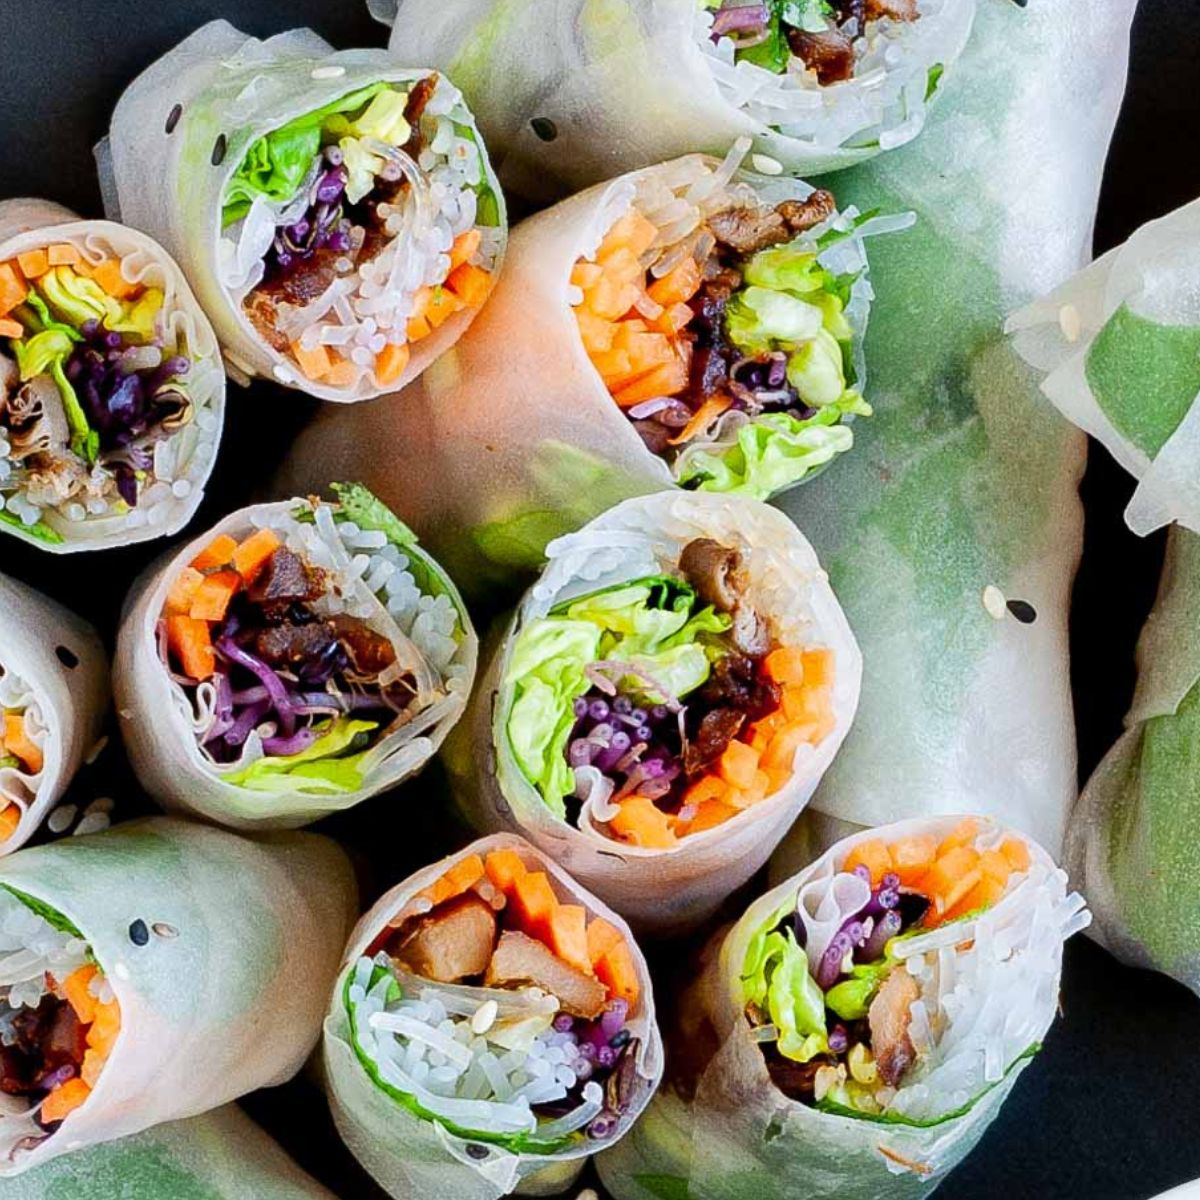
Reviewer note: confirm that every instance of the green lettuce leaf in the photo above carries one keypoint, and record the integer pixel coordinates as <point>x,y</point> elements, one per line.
<point>39,529</point>
<point>275,165</point>
<point>330,764</point>
<point>776,977</point>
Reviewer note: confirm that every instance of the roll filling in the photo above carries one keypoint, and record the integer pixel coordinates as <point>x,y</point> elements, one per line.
<point>105,415</point>
<point>59,1021</point>
<point>22,750</point>
<point>664,706</point>
<point>725,326</point>
<point>492,1006</point>
<point>905,982</point>
<point>356,230</point>
<point>311,648</point>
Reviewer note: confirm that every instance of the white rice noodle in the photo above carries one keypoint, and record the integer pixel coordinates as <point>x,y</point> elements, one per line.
<point>365,310</point>
<point>988,984</point>
<point>883,104</point>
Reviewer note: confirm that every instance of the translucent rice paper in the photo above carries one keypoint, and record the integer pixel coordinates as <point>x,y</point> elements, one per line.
<point>719,1129</point>
<point>1133,837</point>
<point>962,491</point>
<point>29,224</point>
<point>227,994</point>
<point>159,734</point>
<point>237,88</point>
<point>1120,343</point>
<point>410,1157</point>
<point>63,665</point>
<point>626,83</point>
<point>222,1155</point>
<point>662,891</point>
<point>512,437</point>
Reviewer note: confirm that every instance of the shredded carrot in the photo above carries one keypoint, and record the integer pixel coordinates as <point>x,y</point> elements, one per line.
<point>63,254</point>
<point>504,868</point>
<point>33,263</point>
<point>466,245</point>
<point>251,554</point>
<point>183,588</point>
<point>218,553</point>
<point>702,418</point>
<point>641,822</point>
<point>10,819</point>
<point>191,643</point>
<point>391,362</point>
<point>108,275</point>
<point>471,284</point>
<point>64,1100</point>
<point>18,742</point>
<point>77,989</point>
<point>457,878</point>
<point>10,328</point>
<point>13,289</point>
<point>315,363</point>
<point>342,373</point>
<point>213,595</point>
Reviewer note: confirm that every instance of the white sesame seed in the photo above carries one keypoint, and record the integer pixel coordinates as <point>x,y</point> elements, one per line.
<point>485,1017</point>
<point>102,804</point>
<point>95,752</point>
<point>332,72</point>
<point>764,164</point>
<point>95,822</point>
<point>1069,322</point>
<point>59,821</point>
<point>121,971</point>
<point>993,601</point>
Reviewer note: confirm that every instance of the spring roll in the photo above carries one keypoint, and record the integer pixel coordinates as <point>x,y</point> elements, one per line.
<point>1132,839</point>
<point>53,696</point>
<point>221,1155</point>
<point>620,85</point>
<point>334,210</point>
<point>112,395</point>
<point>663,703</point>
<point>492,1027</point>
<point>1120,347</point>
<point>953,538</point>
<point>156,971</point>
<point>856,1031</point>
<point>685,324</point>
<point>298,658</point>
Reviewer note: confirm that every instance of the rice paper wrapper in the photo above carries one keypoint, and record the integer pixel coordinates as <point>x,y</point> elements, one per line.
<point>1133,836</point>
<point>230,90</point>
<point>1120,347</point>
<point>31,224</point>
<point>409,1156</point>
<point>512,437</point>
<point>157,723</point>
<point>53,667</point>
<point>222,1155</point>
<point>569,91</point>
<point>227,994</point>
<point>962,492</point>
<point>719,1129</point>
<point>662,891</point>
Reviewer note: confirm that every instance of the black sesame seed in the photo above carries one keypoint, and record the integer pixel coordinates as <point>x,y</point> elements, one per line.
<point>1020,3</point>
<point>68,658</point>
<point>139,935</point>
<point>1023,611</point>
<point>173,118</point>
<point>619,1038</point>
<point>475,1150</point>
<point>218,151</point>
<point>544,128</point>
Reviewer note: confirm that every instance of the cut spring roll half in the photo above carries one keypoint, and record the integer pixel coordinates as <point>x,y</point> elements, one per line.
<point>154,972</point>
<point>1120,348</point>
<point>817,85</point>
<point>112,395</point>
<point>336,210</point>
<point>642,336</point>
<point>727,327</point>
<point>859,1027</point>
<point>301,657</point>
<point>53,695</point>
<point>665,701</point>
<point>493,1026</point>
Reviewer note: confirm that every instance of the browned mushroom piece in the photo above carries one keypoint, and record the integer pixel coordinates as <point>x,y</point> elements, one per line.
<point>889,1017</point>
<point>714,570</point>
<point>748,228</point>
<point>370,652</point>
<point>285,578</point>
<point>830,53</point>
<point>804,214</point>
<point>520,960</point>
<point>452,943</point>
<point>898,10</point>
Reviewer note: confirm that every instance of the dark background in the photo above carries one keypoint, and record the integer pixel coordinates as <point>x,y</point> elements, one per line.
<point>1108,1110</point>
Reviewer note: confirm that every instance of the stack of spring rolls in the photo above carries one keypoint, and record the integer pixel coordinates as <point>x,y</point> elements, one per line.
<point>335,211</point>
